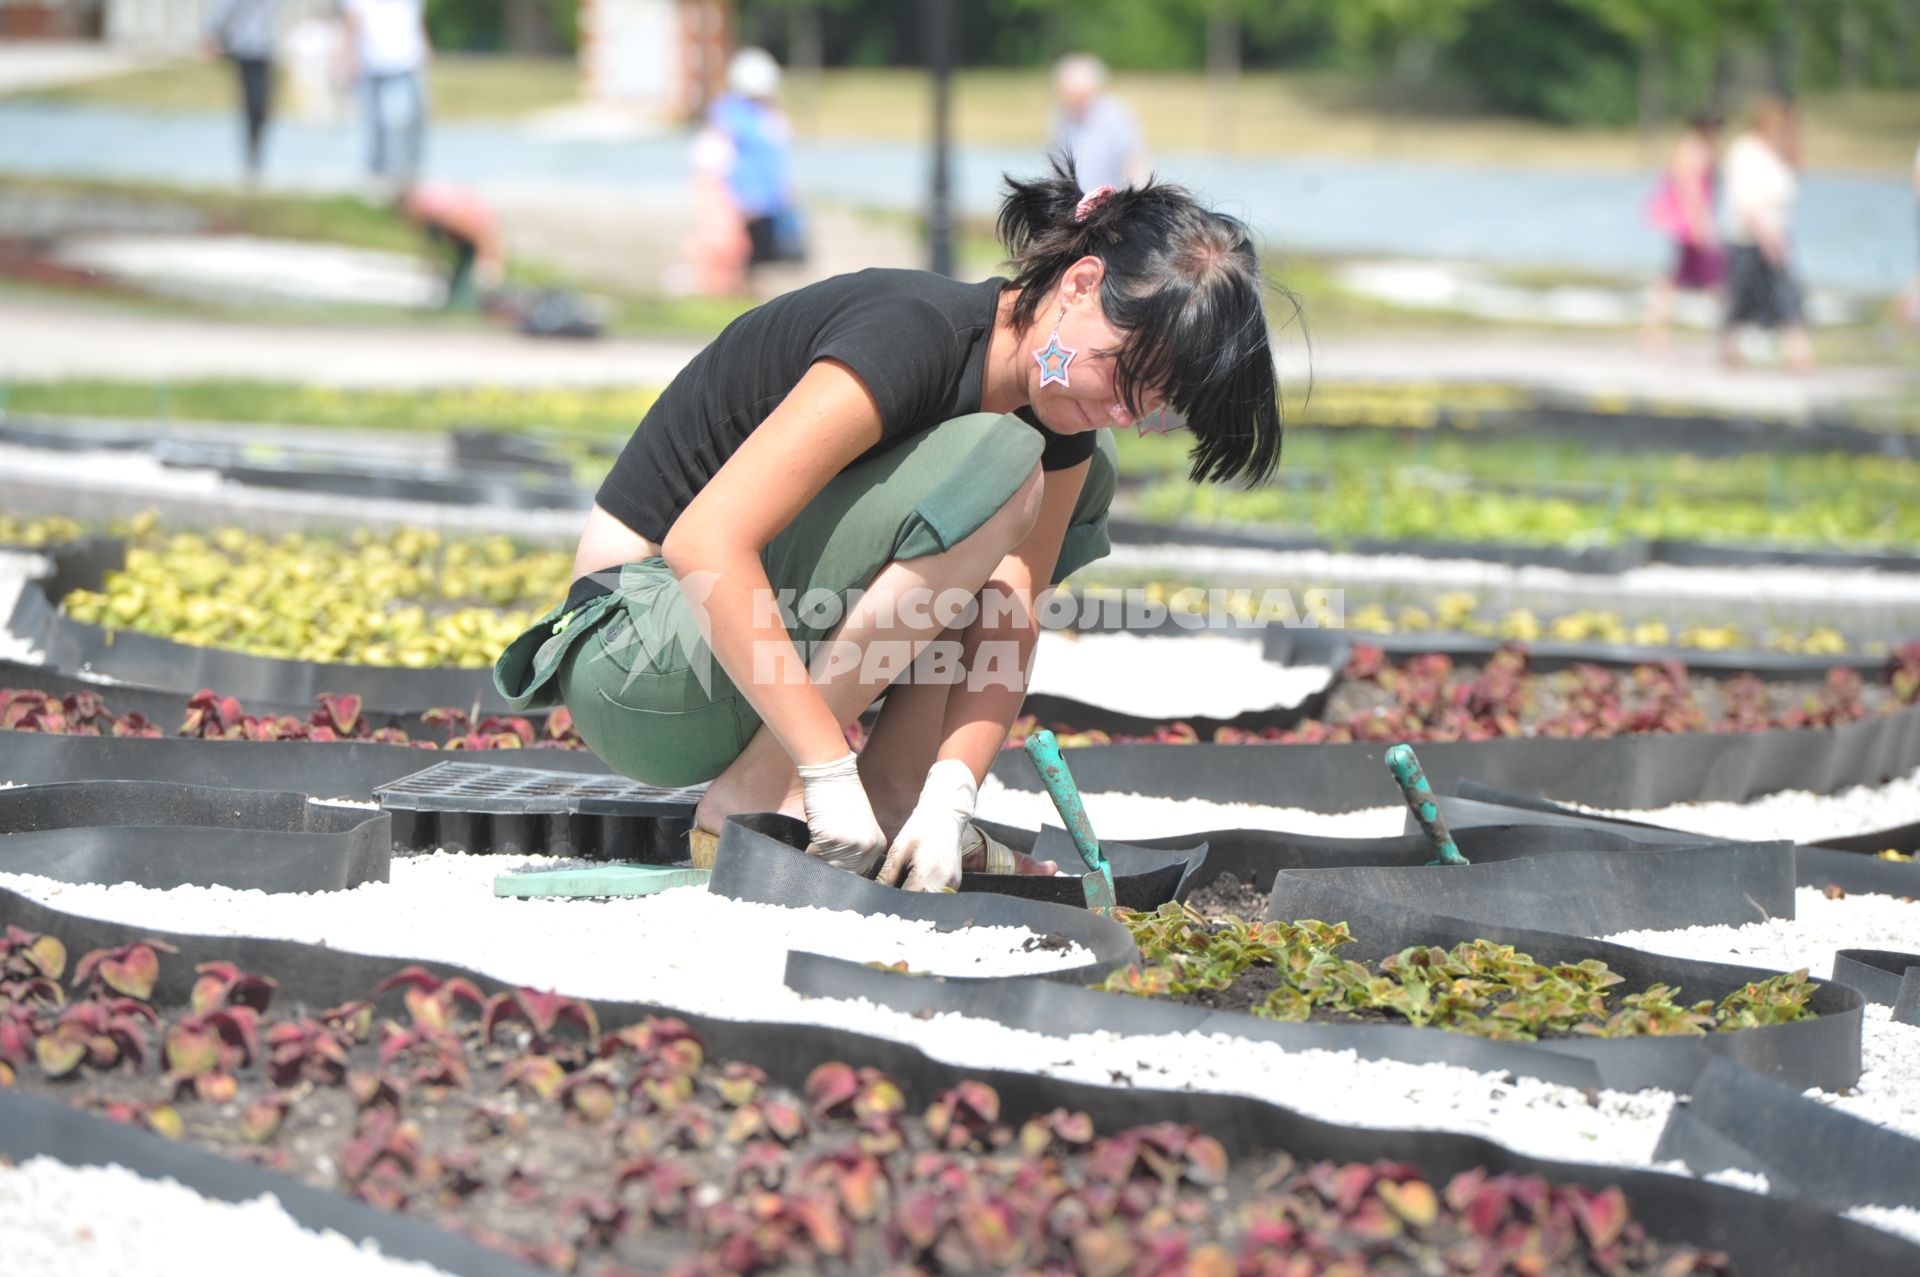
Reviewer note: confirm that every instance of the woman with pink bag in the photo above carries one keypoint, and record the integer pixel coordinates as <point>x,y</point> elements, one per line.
<point>1682,207</point>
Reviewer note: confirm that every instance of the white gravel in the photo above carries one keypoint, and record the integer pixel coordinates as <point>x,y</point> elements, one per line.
<point>1199,675</point>
<point>1793,814</point>
<point>1894,1219</point>
<point>1801,588</point>
<point>687,946</point>
<point>1125,816</point>
<point>1808,939</point>
<point>67,1221</point>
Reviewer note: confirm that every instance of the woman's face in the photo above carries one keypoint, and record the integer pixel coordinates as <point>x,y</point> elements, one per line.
<point>1091,399</point>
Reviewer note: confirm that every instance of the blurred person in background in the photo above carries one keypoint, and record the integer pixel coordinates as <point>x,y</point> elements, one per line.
<point>243,31</point>
<point>459,219</point>
<point>1760,191</point>
<point>1095,130</point>
<point>1682,207</point>
<point>317,68</point>
<point>749,139</point>
<point>1906,306</point>
<point>390,55</point>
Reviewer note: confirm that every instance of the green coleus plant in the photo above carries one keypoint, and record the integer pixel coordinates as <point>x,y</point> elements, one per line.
<point>1293,971</point>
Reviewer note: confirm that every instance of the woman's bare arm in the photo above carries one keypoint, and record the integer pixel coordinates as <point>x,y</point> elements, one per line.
<point>822,425</point>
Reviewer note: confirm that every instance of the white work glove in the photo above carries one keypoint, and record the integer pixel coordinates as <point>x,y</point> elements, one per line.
<point>839,817</point>
<point>927,853</point>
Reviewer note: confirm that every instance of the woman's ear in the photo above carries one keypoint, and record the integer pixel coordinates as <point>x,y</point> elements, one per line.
<point>1082,279</point>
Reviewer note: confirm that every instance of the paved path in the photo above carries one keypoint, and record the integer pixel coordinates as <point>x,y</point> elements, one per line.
<point>42,339</point>
<point>1855,232</point>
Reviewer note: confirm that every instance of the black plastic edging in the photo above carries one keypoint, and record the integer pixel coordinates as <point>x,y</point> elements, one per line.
<point>1759,1235</point>
<point>128,656</point>
<point>1083,716</point>
<point>1879,974</point>
<point>160,835</point>
<point>1651,770</point>
<point>166,708</point>
<point>1823,1051</point>
<point>330,769</point>
<point>1883,976</point>
<point>33,1127</point>
<point>1586,893</point>
<point>1815,865</point>
<point>1610,559</point>
<point>1063,1010</point>
<point>1547,657</point>
<point>762,859</point>
<point>1809,1151</point>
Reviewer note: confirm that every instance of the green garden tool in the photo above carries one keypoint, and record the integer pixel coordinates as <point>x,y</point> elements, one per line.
<point>1097,883</point>
<point>588,881</point>
<point>1419,795</point>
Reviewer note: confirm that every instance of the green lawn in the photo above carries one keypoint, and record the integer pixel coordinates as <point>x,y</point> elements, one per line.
<point>604,413</point>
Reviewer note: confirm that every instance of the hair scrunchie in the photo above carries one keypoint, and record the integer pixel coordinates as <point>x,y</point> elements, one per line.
<point>1092,200</point>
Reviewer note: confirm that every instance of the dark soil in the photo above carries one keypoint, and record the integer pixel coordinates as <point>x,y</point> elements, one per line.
<point>1228,897</point>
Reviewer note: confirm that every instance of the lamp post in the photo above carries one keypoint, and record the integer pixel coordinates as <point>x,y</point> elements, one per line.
<point>939,32</point>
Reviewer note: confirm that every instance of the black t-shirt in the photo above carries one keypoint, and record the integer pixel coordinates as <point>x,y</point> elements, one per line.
<point>918,341</point>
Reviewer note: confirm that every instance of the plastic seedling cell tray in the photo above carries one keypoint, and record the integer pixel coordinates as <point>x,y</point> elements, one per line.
<point>482,807</point>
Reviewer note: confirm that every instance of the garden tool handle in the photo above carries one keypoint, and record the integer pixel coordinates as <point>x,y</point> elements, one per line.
<point>1405,766</point>
<point>1044,750</point>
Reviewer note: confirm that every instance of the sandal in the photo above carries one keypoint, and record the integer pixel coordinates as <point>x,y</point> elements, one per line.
<point>702,847</point>
<point>1000,857</point>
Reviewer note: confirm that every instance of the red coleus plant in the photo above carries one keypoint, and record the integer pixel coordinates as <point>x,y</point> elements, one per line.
<point>205,1051</point>
<point>99,1032</point>
<point>544,1013</point>
<point>129,969</point>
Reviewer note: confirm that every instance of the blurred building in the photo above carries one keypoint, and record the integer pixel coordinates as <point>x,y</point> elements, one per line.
<point>661,58</point>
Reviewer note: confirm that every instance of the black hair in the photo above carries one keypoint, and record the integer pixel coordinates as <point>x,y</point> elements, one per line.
<point>1183,286</point>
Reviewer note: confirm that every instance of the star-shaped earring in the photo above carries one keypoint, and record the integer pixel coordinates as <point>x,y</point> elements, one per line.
<point>1053,359</point>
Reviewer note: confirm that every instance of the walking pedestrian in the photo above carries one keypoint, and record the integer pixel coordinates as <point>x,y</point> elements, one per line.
<point>868,485</point>
<point>759,157</point>
<point>1682,207</point>
<point>1094,129</point>
<point>391,50</point>
<point>244,31</point>
<point>1760,192</point>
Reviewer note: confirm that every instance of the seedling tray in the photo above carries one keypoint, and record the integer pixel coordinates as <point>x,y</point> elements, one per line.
<point>481,807</point>
<point>154,834</point>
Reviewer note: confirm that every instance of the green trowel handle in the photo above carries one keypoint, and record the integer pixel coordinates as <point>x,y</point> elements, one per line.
<point>1044,750</point>
<point>1405,767</point>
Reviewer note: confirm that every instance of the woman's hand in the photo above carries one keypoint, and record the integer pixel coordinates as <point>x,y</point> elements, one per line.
<point>928,851</point>
<point>840,820</point>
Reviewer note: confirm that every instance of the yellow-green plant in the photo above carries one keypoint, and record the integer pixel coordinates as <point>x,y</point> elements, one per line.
<point>1479,987</point>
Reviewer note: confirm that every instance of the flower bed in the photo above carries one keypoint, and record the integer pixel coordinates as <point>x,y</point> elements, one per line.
<point>209,716</point>
<point>515,1119</point>
<point>1425,698</point>
<point>1292,971</point>
<point>408,598</point>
